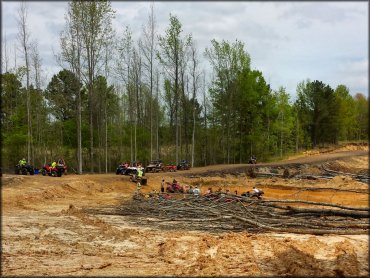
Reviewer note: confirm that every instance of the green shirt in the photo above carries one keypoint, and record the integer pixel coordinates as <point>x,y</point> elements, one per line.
<point>139,173</point>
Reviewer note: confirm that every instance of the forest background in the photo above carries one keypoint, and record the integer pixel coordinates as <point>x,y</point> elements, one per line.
<point>159,104</point>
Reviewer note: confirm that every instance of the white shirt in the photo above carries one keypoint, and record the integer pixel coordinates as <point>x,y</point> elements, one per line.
<point>196,191</point>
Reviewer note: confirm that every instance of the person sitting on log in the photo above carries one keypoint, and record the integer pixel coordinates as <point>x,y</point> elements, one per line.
<point>174,185</point>
<point>256,190</point>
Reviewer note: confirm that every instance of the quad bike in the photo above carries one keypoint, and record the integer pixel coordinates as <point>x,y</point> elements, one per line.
<point>24,169</point>
<point>120,169</point>
<point>252,160</point>
<point>56,171</point>
<point>253,194</point>
<point>174,188</point>
<point>135,178</point>
<point>170,168</point>
<point>184,165</point>
<point>64,168</point>
<point>154,166</point>
<point>130,171</point>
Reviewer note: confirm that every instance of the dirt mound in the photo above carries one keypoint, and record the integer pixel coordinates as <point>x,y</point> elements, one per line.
<point>47,230</point>
<point>355,165</point>
<point>354,147</point>
<point>11,180</point>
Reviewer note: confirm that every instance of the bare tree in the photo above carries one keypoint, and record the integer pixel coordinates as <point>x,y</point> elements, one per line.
<point>23,37</point>
<point>205,119</point>
<point>172,49</point>
<point>195,81</point>
<point>36,64</point>
<point>148,48</point>
<point>108,56</point>
<point>96,21</point>
<point>157,116</point>
<point>123,72</point>
<point>71,46</point>
<point>36,70</point>
<point>5,57</point>
<point>91,26</point>
<point>136,78</point>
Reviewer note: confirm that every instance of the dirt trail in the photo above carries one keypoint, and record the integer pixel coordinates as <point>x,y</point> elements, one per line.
<point>45,232</point>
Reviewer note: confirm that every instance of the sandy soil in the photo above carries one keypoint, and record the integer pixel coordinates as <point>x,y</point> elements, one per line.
<point>44,231</point>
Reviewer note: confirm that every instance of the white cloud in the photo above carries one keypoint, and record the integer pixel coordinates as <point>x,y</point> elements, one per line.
<point>288,41</point>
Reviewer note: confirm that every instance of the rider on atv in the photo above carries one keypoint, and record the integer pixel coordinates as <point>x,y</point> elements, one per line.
<point>22,162</point>
<point>53,169</point>
<point>253,160</point>
<point>23,168</point>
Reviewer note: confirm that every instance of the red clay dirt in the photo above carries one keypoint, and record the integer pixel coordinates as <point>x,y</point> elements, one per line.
<point>45,232</point>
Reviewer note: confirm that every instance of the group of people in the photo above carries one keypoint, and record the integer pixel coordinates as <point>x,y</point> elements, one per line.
<point>133,164</point>
<point>175,186</point>
<point>23,162</point>
<point>196,190</point>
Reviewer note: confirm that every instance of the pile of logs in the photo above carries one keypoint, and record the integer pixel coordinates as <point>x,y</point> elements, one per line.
<point>222,212</point>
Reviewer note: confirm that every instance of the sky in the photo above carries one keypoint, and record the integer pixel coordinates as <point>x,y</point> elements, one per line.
<point>289,42</point>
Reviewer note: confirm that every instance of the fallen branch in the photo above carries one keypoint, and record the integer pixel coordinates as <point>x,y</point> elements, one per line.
<point>235,213</point>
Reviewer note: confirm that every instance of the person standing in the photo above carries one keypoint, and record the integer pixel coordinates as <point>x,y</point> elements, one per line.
<point>162,186</point>
<point>139,175</point>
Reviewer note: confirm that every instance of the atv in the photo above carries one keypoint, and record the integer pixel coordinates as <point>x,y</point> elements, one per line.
<point>252,160</point>
<point>56,171</point>
<point>154,166</point>
<point>129,171</point>
<point>174,188</point>
<point>24,169</point>
<point>135,178</point>
<point>184,165</point>
<point>120,169</point>
<point>170,168</point>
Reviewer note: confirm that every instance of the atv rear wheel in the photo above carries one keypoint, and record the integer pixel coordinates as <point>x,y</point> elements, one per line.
<point>17,171</point>
<point>53,173</point>
<point>24,171</point>
<point>43,172</point>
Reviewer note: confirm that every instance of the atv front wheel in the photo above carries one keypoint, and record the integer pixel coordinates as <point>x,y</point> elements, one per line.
<point>53,173</point>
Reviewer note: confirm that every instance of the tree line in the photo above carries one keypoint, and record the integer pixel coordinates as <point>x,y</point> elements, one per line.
<point>116,99</point>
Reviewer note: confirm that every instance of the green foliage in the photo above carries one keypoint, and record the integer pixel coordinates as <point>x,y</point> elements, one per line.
<point>318,112</point>
<point>361,126</point>
<point>61,94</point>
<point>346,113</point>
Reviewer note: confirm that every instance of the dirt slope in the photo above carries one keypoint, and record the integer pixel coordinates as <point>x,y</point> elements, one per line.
<point>44,231</point>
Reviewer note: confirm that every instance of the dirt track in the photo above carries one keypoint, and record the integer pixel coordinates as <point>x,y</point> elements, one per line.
<point>44,231</point>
